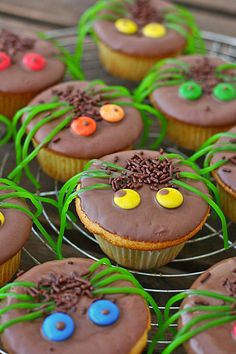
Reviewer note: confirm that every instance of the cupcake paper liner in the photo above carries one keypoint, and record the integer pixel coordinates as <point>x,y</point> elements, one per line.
<point>227,203</point>
<point>9,268</point>
<point>10,103</point>
<point>137,259</point>
<point>125,66</point>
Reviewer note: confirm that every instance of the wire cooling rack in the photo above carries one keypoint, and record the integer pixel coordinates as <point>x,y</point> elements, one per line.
<point>198,254</point>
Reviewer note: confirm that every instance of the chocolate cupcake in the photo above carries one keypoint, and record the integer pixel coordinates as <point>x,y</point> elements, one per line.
<point>220,159</point>
<point>15,229</point>
<point>133,35</point>
<point>197,96</point>
<point>76,306</point>
<point>133,202</point>
<point>74,122</point>
<point>28,65</point>
<point>208,322</point>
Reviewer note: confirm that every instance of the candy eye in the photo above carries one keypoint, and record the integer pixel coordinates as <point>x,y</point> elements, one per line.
<point>126,26</point>
<point>84,126</point>
<point>224,92</point>
<point>34,61</point>
<point>169,198</point>
<point>190,90</point>
<point>58,327</point>
<point>112,113</point>
<point>5,61</point>
<point>127,199</point>
<point>103,312</point>
<point>154,30</point>
<point>2,218</point>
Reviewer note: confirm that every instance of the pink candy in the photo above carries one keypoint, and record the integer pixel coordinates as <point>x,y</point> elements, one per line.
<point>5,61</point>
<point>34,61</point>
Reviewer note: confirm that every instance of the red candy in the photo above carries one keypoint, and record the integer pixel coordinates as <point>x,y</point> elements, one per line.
<point>5,61</point>
<point>34,61</point>
<point>84,126</point>
<point>234,331</point>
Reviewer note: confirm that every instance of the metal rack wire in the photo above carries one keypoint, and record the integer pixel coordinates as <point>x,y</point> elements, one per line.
<point>198,254</point>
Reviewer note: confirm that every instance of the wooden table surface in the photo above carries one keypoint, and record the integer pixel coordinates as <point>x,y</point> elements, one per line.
<point>45,15</point>
<point>212,15</point>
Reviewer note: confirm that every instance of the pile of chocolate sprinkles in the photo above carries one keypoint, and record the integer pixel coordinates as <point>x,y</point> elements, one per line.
<point>84,103</point>
<point>203,72</point>
<point>156,173</point>
<point>143,13</point>
<point>11,43</point>
<point>64,290</point>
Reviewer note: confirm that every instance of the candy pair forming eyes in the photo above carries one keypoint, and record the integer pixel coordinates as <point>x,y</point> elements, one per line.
<point>192,91</point>
<point>86,126</point>
<point>151,30</point>
<point>169,198</point>
<point>31,61</point>
<point>59,326</point>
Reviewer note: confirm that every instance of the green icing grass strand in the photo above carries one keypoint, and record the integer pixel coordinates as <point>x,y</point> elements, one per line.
<point>223,148</point>
<point>198,154</point>
<point>208,183</point>
<point>18,115</point>
<point>212,204</point>
<point>24,284</point>
<point>113,279</point>
<point>9,129</point>
<point>96,265</point>
<point>22,195</point>
<point>35,221</point>
<point>216,137</point>
<point>147,122</point>
<point>20,305</point>
<point>29,317</point>
<point>109,271</point>
<point>176,27</point>
<point>184,338</point>
<point>34,153</point>
<point>22,297</point>
<point>207,170</point>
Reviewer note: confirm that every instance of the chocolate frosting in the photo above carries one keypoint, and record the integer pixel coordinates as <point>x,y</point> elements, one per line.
<point>227,172</point>
<point>139,45</point>
<point>18,79</point>
<point>206,111</point>
<point>136,224</point>
<point>108,138</point>
<point>15,230</point>
<point>217,340</point>
<point>88,338</point>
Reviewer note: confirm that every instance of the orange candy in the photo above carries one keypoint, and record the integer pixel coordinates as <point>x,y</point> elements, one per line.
<point>112,113</point>
<point>84,126</point>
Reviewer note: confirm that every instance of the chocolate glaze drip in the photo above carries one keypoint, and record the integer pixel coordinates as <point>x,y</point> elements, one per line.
<point>157,173</point>
<point>84,103</point>
<point>142,12</point>
<point>11,43</point>
<point>64,290</point>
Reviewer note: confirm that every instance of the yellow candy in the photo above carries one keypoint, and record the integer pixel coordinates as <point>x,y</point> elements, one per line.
<point>169,198</point>
<point>2,218</point>
<point>126,26</point>
<point>127,199</point>
<point>154,30</point>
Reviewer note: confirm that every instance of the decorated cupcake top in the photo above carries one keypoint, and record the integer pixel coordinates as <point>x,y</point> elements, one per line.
<point>141,28</point>
<point>27,63</point>
<point>207,318</point>
<point>198,90</point>
<point>75,305</point>
<point>97,124</point>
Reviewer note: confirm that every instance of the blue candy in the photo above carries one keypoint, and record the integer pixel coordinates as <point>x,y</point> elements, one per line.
<point>58,327</point>
<point>103,312</point>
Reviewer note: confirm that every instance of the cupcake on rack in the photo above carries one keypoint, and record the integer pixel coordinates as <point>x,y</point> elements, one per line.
<point>28,65</point>
<point>76,121</point>
<point>142,206</point>
<point>220,159</point>
<point>133,35</point>
<point>196,94</point>
<point>207,318</point>
<point>76,306</point>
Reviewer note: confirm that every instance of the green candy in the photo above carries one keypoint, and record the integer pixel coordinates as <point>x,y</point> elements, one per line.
<point>190,90</point>
<point>224,92</point>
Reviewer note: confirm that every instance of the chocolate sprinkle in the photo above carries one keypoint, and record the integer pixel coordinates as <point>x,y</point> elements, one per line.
<point>85,104</point>
<point>156,173</point>
<point>230,286</point>
<point>64,290</point>
<point>11,43</point>
<point>143,13</point>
